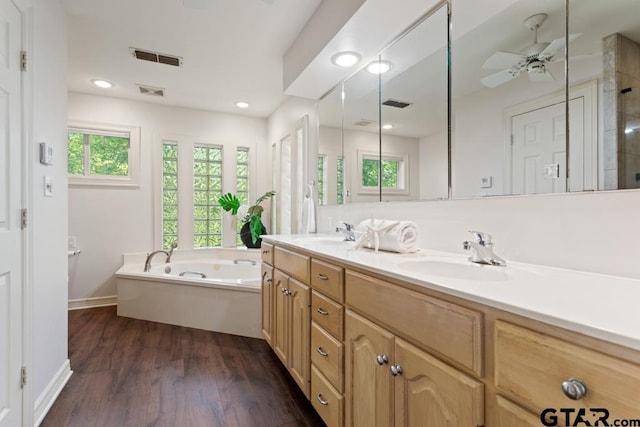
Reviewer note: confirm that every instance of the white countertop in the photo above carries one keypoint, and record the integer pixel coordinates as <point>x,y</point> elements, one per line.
<point>597,305</point>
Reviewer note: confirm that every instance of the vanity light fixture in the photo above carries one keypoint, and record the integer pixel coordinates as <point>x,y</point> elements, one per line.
<point>242,104</point>
<point>379,67</point>
<point>387,126</point>
<point>104,84</point>
<point>345,59</point>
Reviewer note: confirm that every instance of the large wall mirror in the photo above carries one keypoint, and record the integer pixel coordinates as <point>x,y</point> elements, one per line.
<point>383,132</point>
<point>508,98</point>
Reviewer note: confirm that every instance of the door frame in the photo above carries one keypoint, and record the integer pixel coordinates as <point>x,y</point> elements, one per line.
<point>25,7</point>
<point>587,90</point>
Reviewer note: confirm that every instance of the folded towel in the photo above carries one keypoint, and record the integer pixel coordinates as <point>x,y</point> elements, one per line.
<point>308,212</point>
<point>386,235</point>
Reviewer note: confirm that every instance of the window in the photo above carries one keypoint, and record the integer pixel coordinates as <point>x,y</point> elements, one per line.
<point>322,159</point>
<point>102,154</point>
<point>242,183</point>
<point>169,194</point>
<point>340,182</point>
<point>207,189</point>
<point>394,173</point>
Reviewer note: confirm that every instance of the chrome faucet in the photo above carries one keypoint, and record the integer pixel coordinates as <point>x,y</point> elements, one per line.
<point>347,230</point>
<point>147,262</point>
<point>482,250</point>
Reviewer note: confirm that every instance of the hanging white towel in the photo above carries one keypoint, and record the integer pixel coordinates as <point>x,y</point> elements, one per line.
<point>392,236</point>
<point>308,211</point>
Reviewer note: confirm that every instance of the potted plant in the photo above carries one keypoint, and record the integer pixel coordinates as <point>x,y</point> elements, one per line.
<point>252,226</point>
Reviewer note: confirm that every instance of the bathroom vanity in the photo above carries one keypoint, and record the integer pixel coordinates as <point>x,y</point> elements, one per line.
<point>429,339</point>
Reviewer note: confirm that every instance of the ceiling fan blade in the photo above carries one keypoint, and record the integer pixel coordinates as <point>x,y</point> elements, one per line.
<point>556,47</point>
<point>501,60</point>
<point>541,77</point>
<point>499,78</point>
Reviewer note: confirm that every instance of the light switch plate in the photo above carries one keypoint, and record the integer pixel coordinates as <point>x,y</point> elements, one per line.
<point>485,182</point>
<point>46,153</point>
<point>552,170</point>
<point>48,186</point>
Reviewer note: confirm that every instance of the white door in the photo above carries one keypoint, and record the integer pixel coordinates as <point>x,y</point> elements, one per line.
<point>538,150</point>
<point>10,205</point>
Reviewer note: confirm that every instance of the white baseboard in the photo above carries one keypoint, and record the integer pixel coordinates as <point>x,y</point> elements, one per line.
<point>81,303</point>
<point>52,390</point>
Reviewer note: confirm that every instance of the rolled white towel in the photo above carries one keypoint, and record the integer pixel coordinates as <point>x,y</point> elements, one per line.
<point>387,235</point>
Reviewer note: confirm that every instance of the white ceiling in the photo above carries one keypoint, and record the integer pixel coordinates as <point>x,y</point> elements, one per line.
<point>231,49</point>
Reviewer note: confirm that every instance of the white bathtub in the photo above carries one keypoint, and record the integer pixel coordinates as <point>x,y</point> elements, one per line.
<point>227,299</point>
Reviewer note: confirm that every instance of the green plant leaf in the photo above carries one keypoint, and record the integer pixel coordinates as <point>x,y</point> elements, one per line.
<point>255,225</point>
<point>229,202</point>
<point>265,196</point>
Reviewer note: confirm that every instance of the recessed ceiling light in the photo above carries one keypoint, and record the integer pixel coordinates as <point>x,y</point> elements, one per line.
<point>242,104</point>
<point>104,84</point>
<point>345,59</point>
<point>379,67</point>
<point>387,126</point>
<point>628,130</point>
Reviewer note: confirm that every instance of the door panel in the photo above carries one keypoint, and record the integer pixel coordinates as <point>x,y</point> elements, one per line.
<point>267,301</point>
<point>10,204</point>
<point>280,330</point>
<point>300,327</point>
<point>431,393</point>
<point>368,385</point>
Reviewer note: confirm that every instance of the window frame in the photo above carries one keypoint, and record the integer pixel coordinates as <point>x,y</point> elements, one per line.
<point>91,128</point>
<point>403,174</point>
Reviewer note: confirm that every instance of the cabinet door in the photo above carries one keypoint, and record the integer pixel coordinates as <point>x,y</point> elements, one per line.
<point>431,393</point>
<point>280,331</point>
<point>300,330</point>
<point>267,301</point>
<point>368,384</point>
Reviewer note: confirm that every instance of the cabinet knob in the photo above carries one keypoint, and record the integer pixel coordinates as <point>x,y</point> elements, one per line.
<point>574,389</point>
<point>322,311</point>
<point>321,352</point>
<point>283,290</point>
<point>322,276</point>
<point>382,359</point>
<point>269,280</point>
<point>265,251</point>
<point>321,400</point>
<point>396,370</point>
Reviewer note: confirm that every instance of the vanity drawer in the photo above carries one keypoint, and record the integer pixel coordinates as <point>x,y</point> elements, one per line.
<point>327,354</point>
<point>328,314</point>
<point>449,329</point>
<point>530,367</point>
<point>326,400</point>
<point>328,279</point>
<point>292,263</point>
<point>266,252</point>
<point>508,414</point>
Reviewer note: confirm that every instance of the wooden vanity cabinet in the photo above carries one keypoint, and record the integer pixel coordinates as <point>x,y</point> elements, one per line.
<point>392,382</point>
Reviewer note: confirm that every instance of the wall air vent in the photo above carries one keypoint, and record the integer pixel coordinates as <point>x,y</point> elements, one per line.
<point>160,58</point>
<point>150,90</point>
<point>396,104</point>
<point>364,122</point>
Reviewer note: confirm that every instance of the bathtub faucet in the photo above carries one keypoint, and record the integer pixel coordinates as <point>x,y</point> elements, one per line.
<point>173,246</point>
<point>147,262</point>
<point>250,261</point>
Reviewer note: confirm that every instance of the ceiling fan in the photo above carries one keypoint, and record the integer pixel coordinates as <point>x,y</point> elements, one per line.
<point>533,59</point>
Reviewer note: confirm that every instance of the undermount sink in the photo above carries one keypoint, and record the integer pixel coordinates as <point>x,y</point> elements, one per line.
<point>456,269</point>
<point>321,240</point>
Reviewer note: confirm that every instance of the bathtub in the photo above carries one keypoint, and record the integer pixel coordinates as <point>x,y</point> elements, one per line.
<point>221,295</point>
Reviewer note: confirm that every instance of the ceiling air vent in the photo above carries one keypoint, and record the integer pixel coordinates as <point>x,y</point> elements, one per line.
<point>160,58</point>
<point>150,90</point>
<point>396,104</point>
<point>364,122</point>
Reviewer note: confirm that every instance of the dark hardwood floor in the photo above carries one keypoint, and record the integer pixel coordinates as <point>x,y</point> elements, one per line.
<point>131,372</point>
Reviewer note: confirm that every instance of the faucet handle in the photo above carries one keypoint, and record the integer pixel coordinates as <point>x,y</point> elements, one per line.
<point>481,238</point>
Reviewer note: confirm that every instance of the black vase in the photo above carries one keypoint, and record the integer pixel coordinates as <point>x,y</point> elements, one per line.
<point>245,236</point>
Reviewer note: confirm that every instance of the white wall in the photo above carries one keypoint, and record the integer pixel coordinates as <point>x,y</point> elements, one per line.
<point>48,226</point>
<point>108,222</point>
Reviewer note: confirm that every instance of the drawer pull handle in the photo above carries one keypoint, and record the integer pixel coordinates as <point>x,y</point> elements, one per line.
<point>322,276</point>
<point>396,370</point>
<point>382,359</point>
<point>322,311</point>
<point>321,400</point>
<point>321,352</point>
<point>574,389</point>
